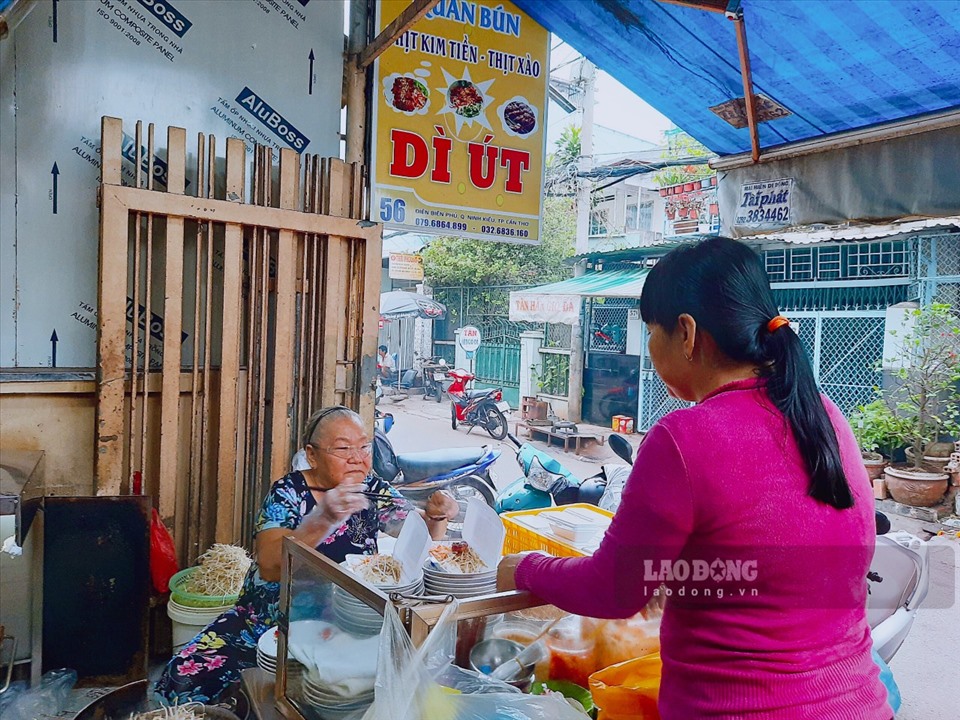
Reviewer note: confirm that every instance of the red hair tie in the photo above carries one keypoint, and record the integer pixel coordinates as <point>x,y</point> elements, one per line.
<point>776,323</point>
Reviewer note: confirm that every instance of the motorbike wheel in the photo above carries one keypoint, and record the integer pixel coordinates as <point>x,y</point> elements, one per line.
<point>438,389</point>
<point>463,490</point>
<point>453,416</point>
<point>495,423</point>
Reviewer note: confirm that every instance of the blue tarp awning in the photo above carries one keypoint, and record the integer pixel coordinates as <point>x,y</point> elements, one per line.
<point>836,65</point>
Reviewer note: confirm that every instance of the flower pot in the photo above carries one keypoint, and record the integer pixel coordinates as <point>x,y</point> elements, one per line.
<point>915,488</point>
<point>696,185</point>
<point>663,192</point>
<point>687,187</point>
<point>931,462</point>
<point>874,463</point>
<point>714,208</point>
<point>683,212</point>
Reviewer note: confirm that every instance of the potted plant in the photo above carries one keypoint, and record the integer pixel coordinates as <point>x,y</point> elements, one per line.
<point>875,428</point>
<point>926,401</point>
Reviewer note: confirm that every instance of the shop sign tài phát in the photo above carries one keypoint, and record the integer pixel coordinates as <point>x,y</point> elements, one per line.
<point>459,115</point>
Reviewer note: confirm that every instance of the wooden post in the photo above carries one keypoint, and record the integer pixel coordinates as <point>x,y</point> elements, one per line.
<point>283,361</point>
<point>173,327</point>
<point>112,316</point>
<point>228,468</point>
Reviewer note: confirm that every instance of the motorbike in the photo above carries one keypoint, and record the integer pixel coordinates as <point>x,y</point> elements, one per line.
<point>434,373</point>
<point>478,408</point>
<point>897,585</point>
<point>546,481</point>
<point>463,472</point>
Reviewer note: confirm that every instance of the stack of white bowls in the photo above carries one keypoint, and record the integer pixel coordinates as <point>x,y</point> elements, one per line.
<point>460,585</point>
<point>356,617</point>
<point>267,657</point>
<point>330,705</point>
<point>267,651</point>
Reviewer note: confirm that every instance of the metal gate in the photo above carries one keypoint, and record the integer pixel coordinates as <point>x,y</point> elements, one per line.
<point>498,359</point>
<point>845,348</point>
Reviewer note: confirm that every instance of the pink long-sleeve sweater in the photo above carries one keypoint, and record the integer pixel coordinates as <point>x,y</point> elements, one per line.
<point>765,615</point>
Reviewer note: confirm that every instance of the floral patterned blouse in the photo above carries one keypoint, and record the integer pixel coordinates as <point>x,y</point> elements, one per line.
<point>289,501</point>
<point>208,668</point>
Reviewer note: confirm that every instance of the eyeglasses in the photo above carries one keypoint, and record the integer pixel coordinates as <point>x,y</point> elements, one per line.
<point>347,452</point>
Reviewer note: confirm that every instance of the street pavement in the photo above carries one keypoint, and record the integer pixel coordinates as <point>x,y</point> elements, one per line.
<point>926,666</point>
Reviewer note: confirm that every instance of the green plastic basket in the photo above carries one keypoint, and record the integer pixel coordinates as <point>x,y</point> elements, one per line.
<point>179,595</point>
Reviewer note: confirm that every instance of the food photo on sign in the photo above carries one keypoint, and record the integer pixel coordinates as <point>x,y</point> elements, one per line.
<point>459,142</point>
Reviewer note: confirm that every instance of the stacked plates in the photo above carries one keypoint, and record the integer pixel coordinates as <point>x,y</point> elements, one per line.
<point>331,706</point>
<point>267,657</point>
<point>356,617</point>
<point>460,585</point>
<point>267,651</point>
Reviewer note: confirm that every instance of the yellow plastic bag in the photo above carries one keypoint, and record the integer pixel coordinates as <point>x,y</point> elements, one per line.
<point>628,690</point>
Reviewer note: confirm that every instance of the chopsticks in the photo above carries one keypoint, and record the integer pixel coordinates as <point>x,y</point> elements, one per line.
<point>382,498</point>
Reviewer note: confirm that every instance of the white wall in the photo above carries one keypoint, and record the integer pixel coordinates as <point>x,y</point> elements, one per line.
<point>115,57</point>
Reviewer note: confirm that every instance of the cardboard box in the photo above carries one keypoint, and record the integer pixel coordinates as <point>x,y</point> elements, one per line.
<point>622,424</point>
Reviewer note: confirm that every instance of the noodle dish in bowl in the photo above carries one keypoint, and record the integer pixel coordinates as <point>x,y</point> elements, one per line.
<point>457,558</point>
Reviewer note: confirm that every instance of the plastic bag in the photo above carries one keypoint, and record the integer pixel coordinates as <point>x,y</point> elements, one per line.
<point>421,684</point>
<point>629,690</point>
<point>48,698</point>
<point>886,677</point>
<point>163,555</point>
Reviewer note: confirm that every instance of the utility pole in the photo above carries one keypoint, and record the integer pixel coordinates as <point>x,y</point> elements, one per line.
<point>585,164</point>
<point>356,80</point>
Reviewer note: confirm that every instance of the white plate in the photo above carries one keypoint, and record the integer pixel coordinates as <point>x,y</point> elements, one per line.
<point>267,644</point>
<point>325,697</point>
<point>429,574</point>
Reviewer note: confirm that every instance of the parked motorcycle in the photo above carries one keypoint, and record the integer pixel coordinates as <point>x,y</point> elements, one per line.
<point>434,373</point>
<point>897,585</point>
<point>463,472</point>
<point>480,408</point>
<point>546,481</point>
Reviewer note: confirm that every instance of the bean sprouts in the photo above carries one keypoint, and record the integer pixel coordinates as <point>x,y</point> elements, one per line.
<point>380,570</point>
<point>220,571</point>
<point>188,711</point>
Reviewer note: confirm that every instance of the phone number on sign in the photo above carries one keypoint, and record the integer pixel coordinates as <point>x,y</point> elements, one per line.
<point>508,232</point>
<point>441,224</point>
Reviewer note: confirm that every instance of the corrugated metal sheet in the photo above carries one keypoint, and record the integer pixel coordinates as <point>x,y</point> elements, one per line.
<point>836,66</point>
<point>818,234</point>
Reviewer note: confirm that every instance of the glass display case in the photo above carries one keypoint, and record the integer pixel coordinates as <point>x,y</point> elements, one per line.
<point>327,640</point>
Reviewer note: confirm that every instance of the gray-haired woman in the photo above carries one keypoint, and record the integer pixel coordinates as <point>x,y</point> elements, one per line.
<point>322,506</point>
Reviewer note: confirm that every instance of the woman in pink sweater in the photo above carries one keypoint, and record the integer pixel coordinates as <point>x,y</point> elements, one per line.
<point>751,508</point>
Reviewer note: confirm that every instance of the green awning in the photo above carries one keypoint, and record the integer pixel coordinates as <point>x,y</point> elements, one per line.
<point>560,302</point>
<point>614,283</point>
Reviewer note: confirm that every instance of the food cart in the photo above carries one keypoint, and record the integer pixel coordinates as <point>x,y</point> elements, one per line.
<point>326,654</point>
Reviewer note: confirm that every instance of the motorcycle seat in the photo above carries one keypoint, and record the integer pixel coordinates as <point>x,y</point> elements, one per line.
<point>418,466</point>
<point>477,392</point>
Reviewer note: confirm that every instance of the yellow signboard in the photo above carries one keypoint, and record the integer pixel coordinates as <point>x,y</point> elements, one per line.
<point>459,116</point>
<point>404,266</point>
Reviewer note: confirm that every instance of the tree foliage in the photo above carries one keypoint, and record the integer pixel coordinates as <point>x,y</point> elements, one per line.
<point>453,261</point>
<point>680,145</point>
<point>562,164</point>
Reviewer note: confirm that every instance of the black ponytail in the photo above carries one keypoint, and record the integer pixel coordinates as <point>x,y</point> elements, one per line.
<point>721,283</point>
<point>792,389</point>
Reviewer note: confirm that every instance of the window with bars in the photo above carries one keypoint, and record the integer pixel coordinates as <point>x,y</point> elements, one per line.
<point>838,262</point>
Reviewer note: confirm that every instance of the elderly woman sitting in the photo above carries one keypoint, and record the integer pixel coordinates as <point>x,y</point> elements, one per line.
<point>322,506</point>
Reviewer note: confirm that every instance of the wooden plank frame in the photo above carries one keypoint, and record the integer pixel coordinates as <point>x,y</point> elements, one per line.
<point>282,299</point>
